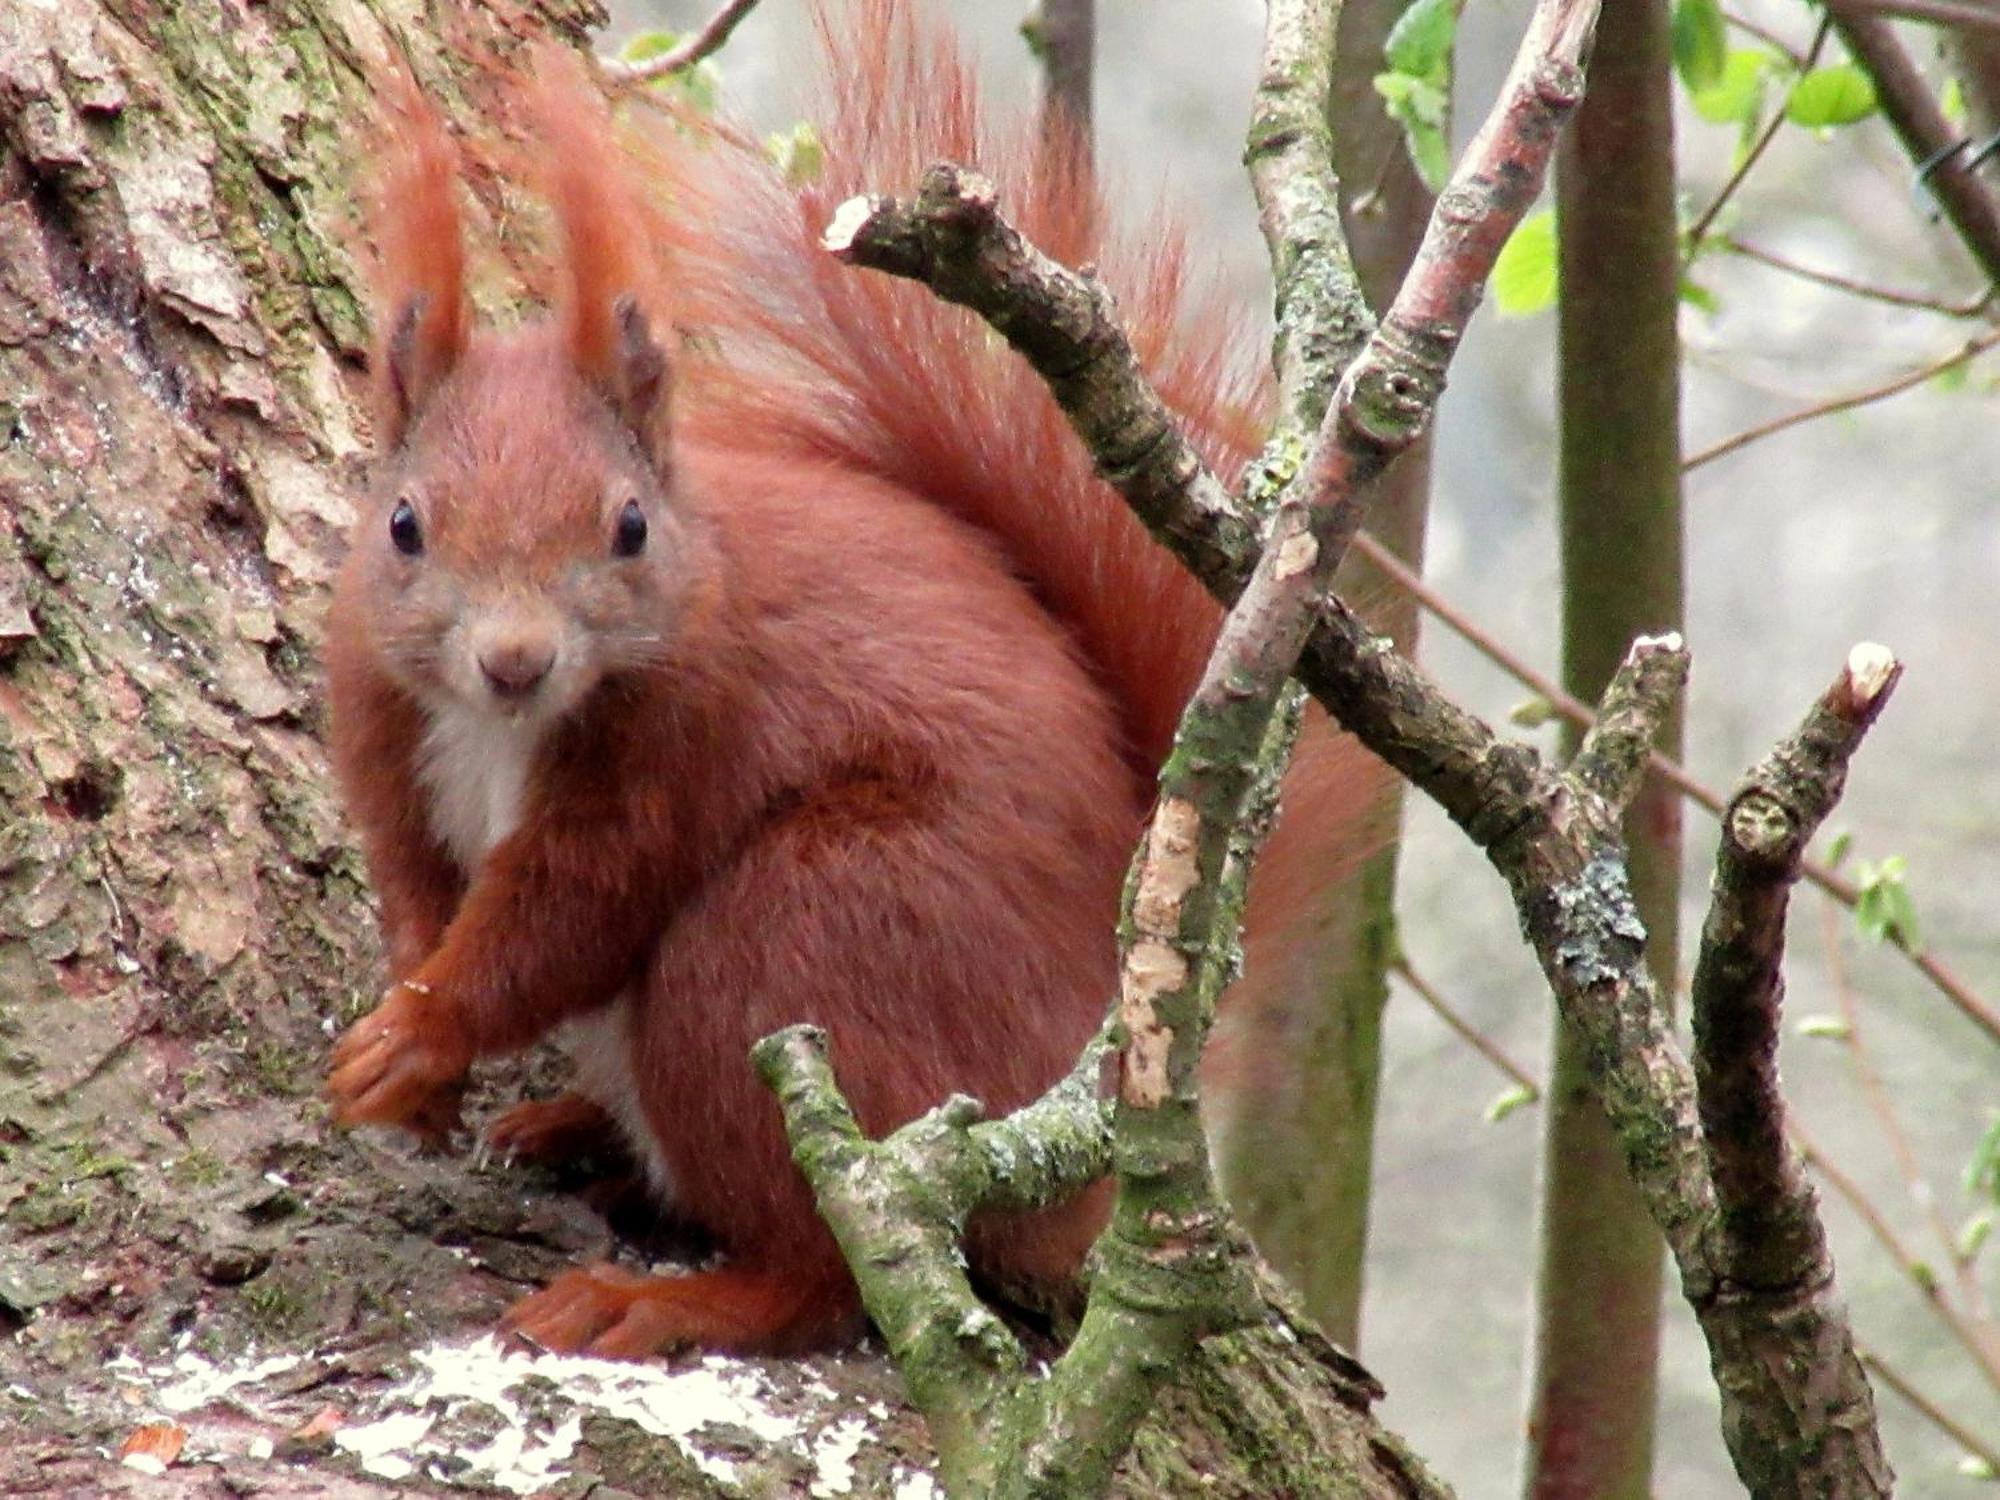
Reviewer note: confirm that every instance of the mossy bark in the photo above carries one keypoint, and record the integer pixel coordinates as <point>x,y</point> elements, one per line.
<point>1298,1158</point>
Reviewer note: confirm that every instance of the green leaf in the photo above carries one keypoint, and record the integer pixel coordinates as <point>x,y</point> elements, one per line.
<point>1505,1104</point>
<point>1420,42</point>
<point>1410,97</point>
<point>1419,106</point>
<point>647,44</point>
<point>1836,95</point>
<point>1701,43</point>
<point>1951,102</point>
<point>1982,1173</point>
<point>1972,1467</point>
<point>1885,912</point>
<point>1972,1238</point>
<point>1737,95</point>
<point>1531,713</point>
<point>1837,851</point>
<point>1825,1028</point>
<point>698,84</point>
<point>799,153</point>
<point>1524,276</point>
<point>1694,294</point>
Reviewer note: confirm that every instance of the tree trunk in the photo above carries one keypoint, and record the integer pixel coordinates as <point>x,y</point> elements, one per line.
<point>182,919</point>
<point>1597,1296</point>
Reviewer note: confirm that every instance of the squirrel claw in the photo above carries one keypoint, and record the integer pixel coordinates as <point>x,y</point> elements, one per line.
<point>597,1310</point>
<point>399,1066</point>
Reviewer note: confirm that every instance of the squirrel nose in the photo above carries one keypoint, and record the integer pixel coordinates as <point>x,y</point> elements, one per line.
<point>514,668</point>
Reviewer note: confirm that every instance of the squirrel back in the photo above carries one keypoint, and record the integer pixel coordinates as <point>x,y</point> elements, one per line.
<point>880,375</point>
<point>804,671</point>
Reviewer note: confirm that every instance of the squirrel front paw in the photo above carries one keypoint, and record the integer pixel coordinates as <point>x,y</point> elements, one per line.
<point>404,1063</point>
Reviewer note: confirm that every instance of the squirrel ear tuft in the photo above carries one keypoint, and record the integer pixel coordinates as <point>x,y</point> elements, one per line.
<point>641,380</point>
<point>420,260</point>
<point>610,296</point>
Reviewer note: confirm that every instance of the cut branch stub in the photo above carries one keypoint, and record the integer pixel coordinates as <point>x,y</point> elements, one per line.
<point>1612,760</point>
<point>1801,1421</point>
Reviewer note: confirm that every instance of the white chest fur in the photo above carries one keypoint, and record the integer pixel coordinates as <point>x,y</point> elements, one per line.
<point>475,768</point>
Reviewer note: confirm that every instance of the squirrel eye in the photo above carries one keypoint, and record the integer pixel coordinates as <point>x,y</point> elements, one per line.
<point>404,530</point>
<point>630,539</point>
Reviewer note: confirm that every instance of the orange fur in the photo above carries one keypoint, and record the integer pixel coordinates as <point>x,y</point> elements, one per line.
<point>420,248</point>
<point>862,735</point>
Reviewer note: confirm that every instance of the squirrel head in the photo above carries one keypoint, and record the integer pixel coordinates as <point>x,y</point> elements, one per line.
<point>523,544</point>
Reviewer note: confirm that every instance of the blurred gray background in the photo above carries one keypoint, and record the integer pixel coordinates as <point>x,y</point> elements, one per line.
<point>1880,524</point>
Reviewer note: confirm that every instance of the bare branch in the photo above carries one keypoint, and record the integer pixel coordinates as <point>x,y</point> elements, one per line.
<point>1771,1235</point>
<point>1972,349</point>
<point>1929,138</point>
<point>1322,316</point>
<point>1970,308</point>
<point>687,52</point>
<point>1960,13</point>
<point>1386,396</point>
<point>1837,886</point>
<point>1616,752</point>
<point>898,1209</point>
<point>1775,1299</point>
<point>1464,1030</point>
<point>1064,324</point>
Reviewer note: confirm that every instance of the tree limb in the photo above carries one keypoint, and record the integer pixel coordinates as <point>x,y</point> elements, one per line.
<point>1804,1420</point>
<point>1929,138</point>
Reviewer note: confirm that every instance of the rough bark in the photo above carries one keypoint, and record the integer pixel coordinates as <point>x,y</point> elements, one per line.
<point>1298,1158</point>
<point>182,918</point>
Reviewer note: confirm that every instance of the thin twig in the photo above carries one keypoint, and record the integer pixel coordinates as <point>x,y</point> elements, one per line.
<point>1768,37</point>
<point>1972,349</point>
<point>1940,12</point>
<point>1702,225</point>
<point>1957,1431</point>
<point>1971,308</point>
<point>1835,885</point>
<point>1877,1094</point>
<point>1466,1032</point>
<point>687,52</point>
<point>1913,1266</point>
<point>1928,138</point>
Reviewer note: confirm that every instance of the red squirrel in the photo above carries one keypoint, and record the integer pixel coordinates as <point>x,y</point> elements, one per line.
<point>805,674</point>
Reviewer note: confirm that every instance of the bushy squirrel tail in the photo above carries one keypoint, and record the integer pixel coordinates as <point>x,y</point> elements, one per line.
<point>873,373</point>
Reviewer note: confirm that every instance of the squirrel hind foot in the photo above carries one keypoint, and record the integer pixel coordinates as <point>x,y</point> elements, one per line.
<point>555,1132</point>
<point>618,1314</point>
